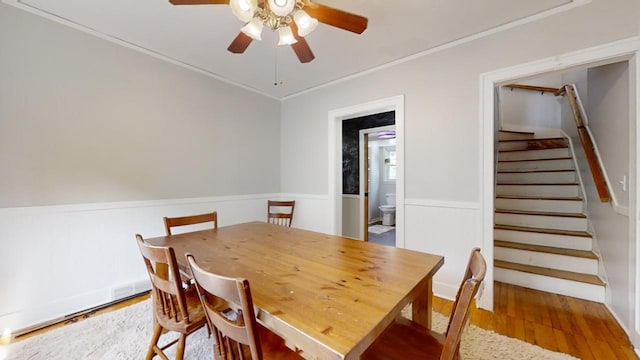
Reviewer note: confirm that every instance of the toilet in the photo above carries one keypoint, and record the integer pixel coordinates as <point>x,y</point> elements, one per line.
<point>389,210</point>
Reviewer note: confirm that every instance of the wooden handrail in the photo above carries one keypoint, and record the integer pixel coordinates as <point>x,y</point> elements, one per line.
<point>542,89</point>
<point>587,143</point>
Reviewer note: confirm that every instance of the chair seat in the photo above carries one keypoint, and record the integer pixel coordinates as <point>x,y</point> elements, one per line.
<point>405,339</point>
<point>197,316</point>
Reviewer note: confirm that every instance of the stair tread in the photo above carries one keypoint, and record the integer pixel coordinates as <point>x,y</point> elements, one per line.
<point>533,139</point>
<point>540,184</point>
<point>543,230</point>
<point>517,132</point>
<point>542,213</point>
<point>524,197</point>
<point>534,171</point>
<point>523,150</point>
<point>561,274</point>
<point>585,254</point>
<point>543,159</point>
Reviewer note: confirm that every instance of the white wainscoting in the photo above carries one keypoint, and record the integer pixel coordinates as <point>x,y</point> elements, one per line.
<point>57,260</point>
<point>447,228</point>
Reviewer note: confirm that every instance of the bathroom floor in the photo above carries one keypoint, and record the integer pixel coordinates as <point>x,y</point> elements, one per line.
<point>387,238</point>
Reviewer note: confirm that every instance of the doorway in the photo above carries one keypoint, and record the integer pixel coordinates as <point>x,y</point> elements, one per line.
<point>335,178</point>
<point>609,53</point>
<point>378,173</point>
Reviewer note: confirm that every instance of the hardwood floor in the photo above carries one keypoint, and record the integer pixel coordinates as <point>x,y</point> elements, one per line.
<point>581,328</point>
<point>584,329</point>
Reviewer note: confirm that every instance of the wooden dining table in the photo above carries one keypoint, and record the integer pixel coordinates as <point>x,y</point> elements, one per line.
<point>328,296</point>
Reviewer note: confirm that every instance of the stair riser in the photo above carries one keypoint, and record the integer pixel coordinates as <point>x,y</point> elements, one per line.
<point>563,206</point>
<point>513,145</point>
<point>534,154</point>
<point>546,260</point>
<point>542,222</point>
<point>513,136</point>
<point>531,238</point>
<point>552,177</point>
<point>550,284</point>
<point>560,164</point>
<point>531,144</point>
<point>539,190</point>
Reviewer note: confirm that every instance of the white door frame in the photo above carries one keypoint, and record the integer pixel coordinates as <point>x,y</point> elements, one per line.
<point>363,166</point>
<point>336,117</point>
<point>608,53</point>
<point>634,201</point>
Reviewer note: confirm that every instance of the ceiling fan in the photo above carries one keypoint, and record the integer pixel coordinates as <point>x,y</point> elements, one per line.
<point>293,19</point>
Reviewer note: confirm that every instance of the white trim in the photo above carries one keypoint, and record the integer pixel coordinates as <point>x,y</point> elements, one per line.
<point>443,204</point>
<point>303,196</point>
<point>66,208</point>
<point>444,290</point>
<point>583,191</point>
<point>362,166</point>
<point>634,178</point>
<point>350,196</point>
<point>336,117</point>
<point>621,210</point>
<point>618,320</point>
<point>601,53</point>
<point>535,17</point>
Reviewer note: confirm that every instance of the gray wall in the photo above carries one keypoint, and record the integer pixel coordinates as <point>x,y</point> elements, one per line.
<point>85,120</point>
<point>607,108</point>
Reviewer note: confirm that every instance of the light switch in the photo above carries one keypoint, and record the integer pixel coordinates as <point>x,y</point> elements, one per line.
<point>623,183</point>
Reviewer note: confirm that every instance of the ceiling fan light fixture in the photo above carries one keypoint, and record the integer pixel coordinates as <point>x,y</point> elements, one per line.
<point>243,9</point>
<point>286,36</point>
<point>306,24</point>
<point>281,7</point>
<point>253,29</point>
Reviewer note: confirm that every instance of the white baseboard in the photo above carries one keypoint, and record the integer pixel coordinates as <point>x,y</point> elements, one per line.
<point>444,291</point>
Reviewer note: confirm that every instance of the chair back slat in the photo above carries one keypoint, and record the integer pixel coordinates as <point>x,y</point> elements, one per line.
<point>474,275</point>
<point>171,222</point>
<point>216,293</point>
<point>162,268</point>
<point>280,212</point>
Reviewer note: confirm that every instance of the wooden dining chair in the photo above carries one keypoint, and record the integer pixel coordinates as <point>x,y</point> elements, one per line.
<point>174,308</point>
<point>277,216</point>
<point>171,222</point>
<point>405,339</point>
<point>236,331</point>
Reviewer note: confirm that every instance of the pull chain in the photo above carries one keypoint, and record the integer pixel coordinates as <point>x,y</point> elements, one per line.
<point>276,82</point>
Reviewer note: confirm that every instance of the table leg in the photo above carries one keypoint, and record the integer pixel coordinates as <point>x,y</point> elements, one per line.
<point>421,308</point>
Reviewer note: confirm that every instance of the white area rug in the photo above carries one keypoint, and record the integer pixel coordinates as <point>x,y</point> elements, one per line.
<point>124,334</point>
<point>380,229</point>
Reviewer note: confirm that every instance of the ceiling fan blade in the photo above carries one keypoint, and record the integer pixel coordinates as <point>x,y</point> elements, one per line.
<point>338,18</point>
<point>240,43</point>
<point>198,2</point>
<point>301,48</point>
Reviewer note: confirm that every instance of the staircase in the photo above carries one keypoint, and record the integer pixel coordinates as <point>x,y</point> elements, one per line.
<point>541,234</point>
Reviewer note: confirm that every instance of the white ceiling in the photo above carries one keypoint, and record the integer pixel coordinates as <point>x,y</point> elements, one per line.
<point>197,36</point>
